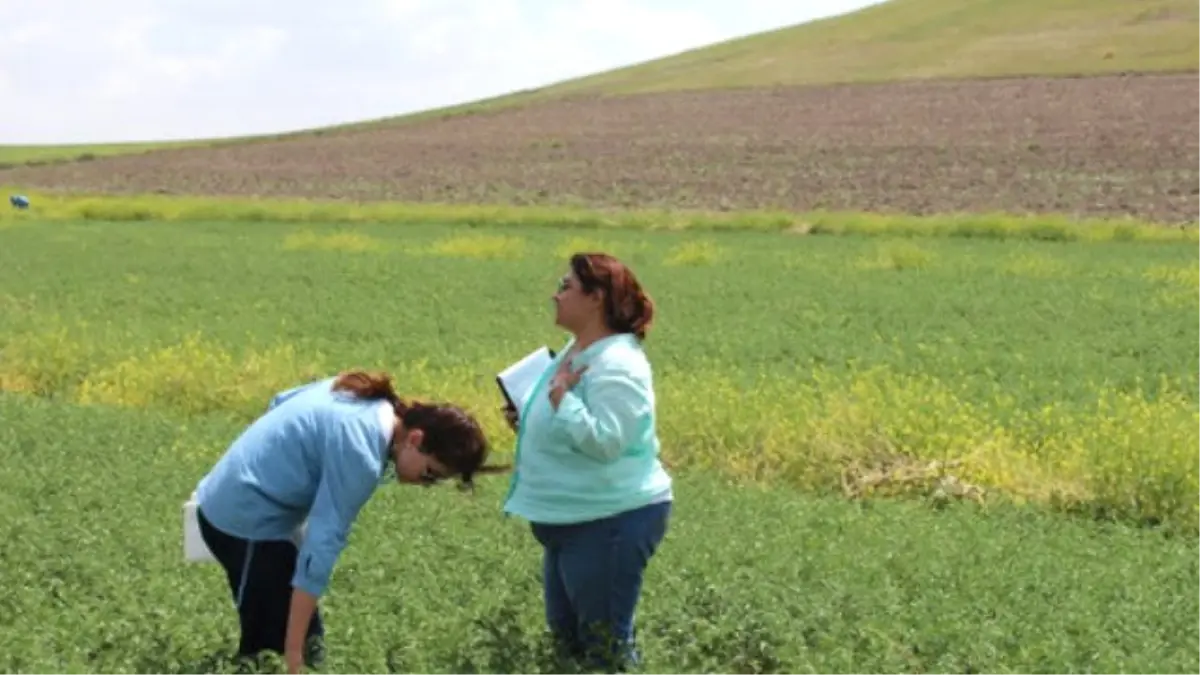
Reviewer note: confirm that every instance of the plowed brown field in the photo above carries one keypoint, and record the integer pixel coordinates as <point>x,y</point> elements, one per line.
<point>1087,146</point>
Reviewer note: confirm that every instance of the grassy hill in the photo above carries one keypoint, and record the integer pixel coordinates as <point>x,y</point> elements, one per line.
<point>896,40</point>
<point>921,39</point>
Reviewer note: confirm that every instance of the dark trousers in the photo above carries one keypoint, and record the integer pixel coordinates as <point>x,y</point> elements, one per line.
<point>592,578</point>
<point>260,578</point>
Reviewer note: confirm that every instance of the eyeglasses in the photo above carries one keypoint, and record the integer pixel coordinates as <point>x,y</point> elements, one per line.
<point>429,476</point>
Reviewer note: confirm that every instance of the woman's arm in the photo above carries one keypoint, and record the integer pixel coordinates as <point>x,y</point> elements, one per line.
<point>341,494</point>
<point>349,476</point>
<point>299,616</point>
<point>618,406</point>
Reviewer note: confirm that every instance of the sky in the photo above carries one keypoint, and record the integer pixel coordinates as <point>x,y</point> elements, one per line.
<point>96,71</point>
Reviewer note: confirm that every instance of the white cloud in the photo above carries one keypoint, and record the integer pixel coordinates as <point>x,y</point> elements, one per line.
<point>87,71</point>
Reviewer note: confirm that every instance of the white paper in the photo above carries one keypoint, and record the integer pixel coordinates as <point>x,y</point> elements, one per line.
<point>517,380</point>
<point>194,548</point>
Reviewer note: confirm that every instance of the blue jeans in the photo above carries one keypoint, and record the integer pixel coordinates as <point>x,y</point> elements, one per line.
<point>592,577</point>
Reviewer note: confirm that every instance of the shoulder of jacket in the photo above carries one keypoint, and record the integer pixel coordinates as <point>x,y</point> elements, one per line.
<point>352,427</point>
<point>621,359</point>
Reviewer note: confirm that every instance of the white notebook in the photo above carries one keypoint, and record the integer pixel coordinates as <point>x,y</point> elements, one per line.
<point>517,380</point>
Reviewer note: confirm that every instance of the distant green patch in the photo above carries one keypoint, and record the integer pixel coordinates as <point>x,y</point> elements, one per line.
<point>479,246</point>
<point>694,253</point>
<point>902,255</point>
<point>578,244</point>
<point>12,155</point>
<point>1034,265</point>
<point>337,241</point>
<point>1178,285</point>
<point>115,208</point>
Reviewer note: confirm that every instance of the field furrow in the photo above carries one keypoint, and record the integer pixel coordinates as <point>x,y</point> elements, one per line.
<point>1092,146</point>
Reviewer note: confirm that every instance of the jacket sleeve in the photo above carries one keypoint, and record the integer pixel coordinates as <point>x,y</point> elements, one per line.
<point>617,407</point>
<point>349,477</point>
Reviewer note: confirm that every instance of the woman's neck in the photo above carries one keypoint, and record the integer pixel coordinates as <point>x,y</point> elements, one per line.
<point>392,426</point>
<point>590,336</point>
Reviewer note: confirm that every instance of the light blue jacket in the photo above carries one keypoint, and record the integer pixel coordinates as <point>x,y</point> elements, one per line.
<point>314,454</point>
<point>598,454</point>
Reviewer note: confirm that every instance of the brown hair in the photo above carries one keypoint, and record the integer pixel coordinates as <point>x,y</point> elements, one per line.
<point>627,308</point>
<point>452,435</point>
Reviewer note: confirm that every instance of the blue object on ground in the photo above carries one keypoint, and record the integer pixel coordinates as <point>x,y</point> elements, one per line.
<point>19,201</point>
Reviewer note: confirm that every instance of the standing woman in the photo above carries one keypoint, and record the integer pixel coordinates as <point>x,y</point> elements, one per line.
<point>317,454</point>
<point>588,476</point>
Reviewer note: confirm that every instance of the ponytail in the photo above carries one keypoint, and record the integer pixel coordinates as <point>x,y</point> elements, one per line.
<point>641,316</point>
<point>370,385</point>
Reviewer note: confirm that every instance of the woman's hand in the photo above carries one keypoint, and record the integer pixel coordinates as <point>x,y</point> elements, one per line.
<point>294,659</point>
<point>510,415</point>
<point>564,380</point>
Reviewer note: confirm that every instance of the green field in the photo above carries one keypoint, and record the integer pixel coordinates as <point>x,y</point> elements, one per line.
<point>894,454</point>
<point>962,443</point>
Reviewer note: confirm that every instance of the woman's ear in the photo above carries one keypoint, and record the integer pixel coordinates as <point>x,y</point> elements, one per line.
<point>597,297</point>
<point>414,437</point>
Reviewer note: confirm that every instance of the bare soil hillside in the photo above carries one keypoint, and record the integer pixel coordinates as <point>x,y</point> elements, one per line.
<point>1090,146</point>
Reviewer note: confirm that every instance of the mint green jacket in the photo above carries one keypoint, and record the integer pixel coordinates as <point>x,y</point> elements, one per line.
<point>598,454</point>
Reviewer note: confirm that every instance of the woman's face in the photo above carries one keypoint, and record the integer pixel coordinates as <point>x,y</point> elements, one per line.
<point>573,308</point>
<point>416,467</point>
